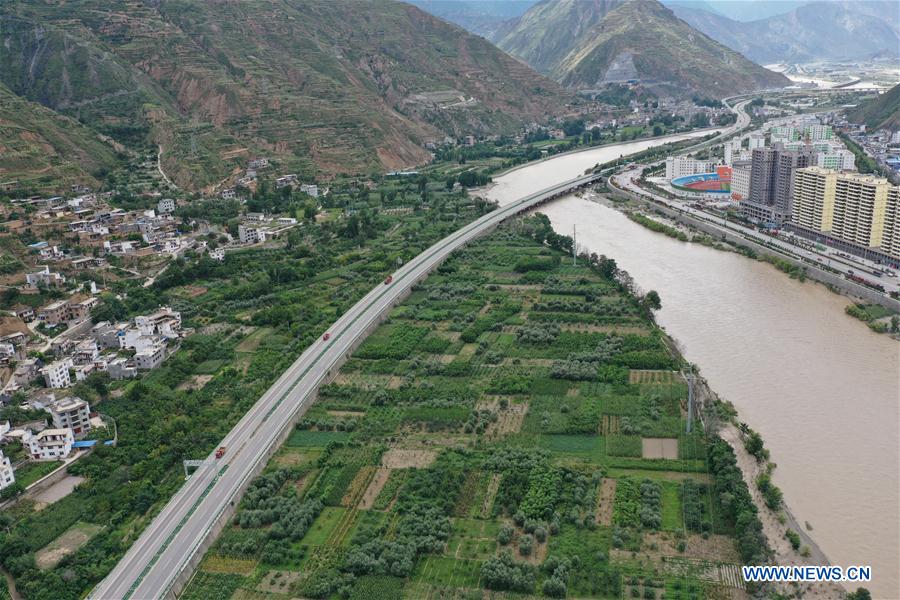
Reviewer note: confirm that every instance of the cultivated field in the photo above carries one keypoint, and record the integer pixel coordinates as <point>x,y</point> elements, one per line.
<point>516,426</point>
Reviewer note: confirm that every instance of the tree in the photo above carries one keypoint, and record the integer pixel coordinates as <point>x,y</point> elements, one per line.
<point>657,130</point>
<point>652,300</point>
<point>860,594</point>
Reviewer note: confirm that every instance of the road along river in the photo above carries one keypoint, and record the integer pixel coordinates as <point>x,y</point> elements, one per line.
<point>822,389</point>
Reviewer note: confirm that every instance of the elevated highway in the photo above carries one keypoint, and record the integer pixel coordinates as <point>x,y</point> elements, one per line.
<point>161,561</point>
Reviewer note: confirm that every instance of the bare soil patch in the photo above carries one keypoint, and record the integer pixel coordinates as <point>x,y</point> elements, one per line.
<point>591,328</point>
<point>717,548</point>
<point>651,376</point>
<point>489,495</point>
<point>71,540</point>
<point>57,491</point>
<point>378,481</point>
<point>195,382</point>
<point>659,448</point>
<point>226,564</point>
<point>398,458</point>
<point>278,582</point>
<point>346,413</point>
<point>605,499</point>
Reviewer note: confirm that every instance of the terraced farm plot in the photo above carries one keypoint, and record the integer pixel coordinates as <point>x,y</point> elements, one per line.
<point>499,431</point>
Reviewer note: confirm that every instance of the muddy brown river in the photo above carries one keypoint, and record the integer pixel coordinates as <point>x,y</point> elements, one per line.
<point>822,389</point>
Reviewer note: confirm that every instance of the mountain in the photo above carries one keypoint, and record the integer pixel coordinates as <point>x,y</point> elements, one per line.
<point>814,31</point>
<point>318,86</point>
<point>40,148</point>
<point>547,32</point>
<point>882,111</point>
<point>745,10</point>
<point>586,43</point>
<point>482,17</point>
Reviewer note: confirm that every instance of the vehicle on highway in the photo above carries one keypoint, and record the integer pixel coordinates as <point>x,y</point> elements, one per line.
<point>389,279</point>
<point>325,337</point>
<point>220,452</point>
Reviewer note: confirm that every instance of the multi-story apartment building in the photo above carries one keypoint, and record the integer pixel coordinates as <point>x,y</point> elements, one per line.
<point>862,211</point>
<point>71,413</point>
<point>740,180</point>
<point>681,166</point>
<point>7,476</point>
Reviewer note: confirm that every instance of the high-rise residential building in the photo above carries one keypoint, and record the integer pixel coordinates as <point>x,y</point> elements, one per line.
<point>814,199</point>
<point>771,182</point>
<point>817,132</point>
<point>782,194</point>
<point>859,207</point>
<point>890,237</point>
<point>758,204</point>
<point>861,210</point>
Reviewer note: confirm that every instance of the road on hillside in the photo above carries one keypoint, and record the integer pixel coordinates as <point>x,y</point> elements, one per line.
<point>167,546</point>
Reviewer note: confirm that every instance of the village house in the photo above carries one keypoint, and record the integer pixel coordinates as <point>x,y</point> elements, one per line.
<point>44,277</point>
<point>49,444</point>
<point>56,374</point>
<point>72,413</point>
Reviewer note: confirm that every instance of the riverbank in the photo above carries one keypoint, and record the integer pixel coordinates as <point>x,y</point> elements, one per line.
<point>776,523</point>
<point>670,223</point>
<point>832,281</point>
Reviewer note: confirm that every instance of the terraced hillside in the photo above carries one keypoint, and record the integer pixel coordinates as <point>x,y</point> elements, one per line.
<point>319,86</point>
<point>518,424</point>
<point>880,111</point>
<point>587,44</point>
<point>39,147</point>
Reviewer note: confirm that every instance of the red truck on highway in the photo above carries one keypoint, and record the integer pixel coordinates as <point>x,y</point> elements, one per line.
<point>389,279</point>
<point>325,337</point>
<point>220,452</point>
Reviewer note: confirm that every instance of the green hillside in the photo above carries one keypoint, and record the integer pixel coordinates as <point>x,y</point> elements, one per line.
<point>40,149</point>
<point>323,86</point>
<point>882,111</point>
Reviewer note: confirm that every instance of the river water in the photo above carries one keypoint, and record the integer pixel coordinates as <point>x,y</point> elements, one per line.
<point>822,389</point>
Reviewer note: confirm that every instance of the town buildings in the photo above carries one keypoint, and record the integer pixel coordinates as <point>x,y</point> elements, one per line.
<point>681,166</point>
<point>49,444</point>
<point>740,180</point>
<point>71,413</point>
<point>44,277</point>
<point>861,211</point>
<point>7,476</point>
<point>770,193</point>
<point>56,374</point>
